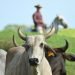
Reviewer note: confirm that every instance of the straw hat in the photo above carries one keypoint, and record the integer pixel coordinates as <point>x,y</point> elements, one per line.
<point>38,6</point>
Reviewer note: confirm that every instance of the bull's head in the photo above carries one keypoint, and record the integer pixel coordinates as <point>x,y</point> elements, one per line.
<point>35,46</point>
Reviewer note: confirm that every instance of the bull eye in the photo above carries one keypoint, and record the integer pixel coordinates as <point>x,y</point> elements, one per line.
<point>41,45</point>
<point>27,47</point>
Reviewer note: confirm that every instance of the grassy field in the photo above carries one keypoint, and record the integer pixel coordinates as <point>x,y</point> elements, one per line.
<point>55,41</point>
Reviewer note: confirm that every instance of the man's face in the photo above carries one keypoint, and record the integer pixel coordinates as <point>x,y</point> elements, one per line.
<point>38,8</point>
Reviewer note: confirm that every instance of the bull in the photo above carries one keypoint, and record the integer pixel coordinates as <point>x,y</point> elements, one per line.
<point>32,59</point>
<point>58,62</point>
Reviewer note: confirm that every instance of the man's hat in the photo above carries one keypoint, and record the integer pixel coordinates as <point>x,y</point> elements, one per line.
<point>38,6</point>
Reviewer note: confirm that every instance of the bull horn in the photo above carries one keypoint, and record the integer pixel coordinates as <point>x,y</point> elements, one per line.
<point>21,35</point>
<point>62,49</point>
<point>14,42</point>
<point>65,47</point>
<point>51,32</point>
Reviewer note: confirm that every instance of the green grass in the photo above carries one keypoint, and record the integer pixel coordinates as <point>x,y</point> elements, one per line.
<point>67,32</point>
<point>55,41</point>
<point>6,39</point>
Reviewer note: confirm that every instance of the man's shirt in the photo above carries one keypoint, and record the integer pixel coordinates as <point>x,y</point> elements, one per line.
<point>37,18</point>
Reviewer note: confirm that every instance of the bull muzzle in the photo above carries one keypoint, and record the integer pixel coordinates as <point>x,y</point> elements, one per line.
<point>33,61</point>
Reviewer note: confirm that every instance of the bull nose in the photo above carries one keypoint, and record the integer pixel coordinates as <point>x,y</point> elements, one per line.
<point>33,61</point>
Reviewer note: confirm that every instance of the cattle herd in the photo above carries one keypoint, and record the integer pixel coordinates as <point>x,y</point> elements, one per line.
<point>35,56</point>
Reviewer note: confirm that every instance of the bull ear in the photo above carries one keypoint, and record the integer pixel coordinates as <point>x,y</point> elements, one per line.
<point>69,57</point>
<point>49,51</point>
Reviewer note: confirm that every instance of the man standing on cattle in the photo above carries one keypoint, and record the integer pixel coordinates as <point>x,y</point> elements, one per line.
<point>37,19</point>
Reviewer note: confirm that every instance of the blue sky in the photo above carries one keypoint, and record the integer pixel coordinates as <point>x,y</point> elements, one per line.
<point>20,11</point>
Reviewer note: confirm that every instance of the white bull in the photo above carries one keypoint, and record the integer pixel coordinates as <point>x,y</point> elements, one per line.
<point>30,61</point>
<point>2,61</point>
